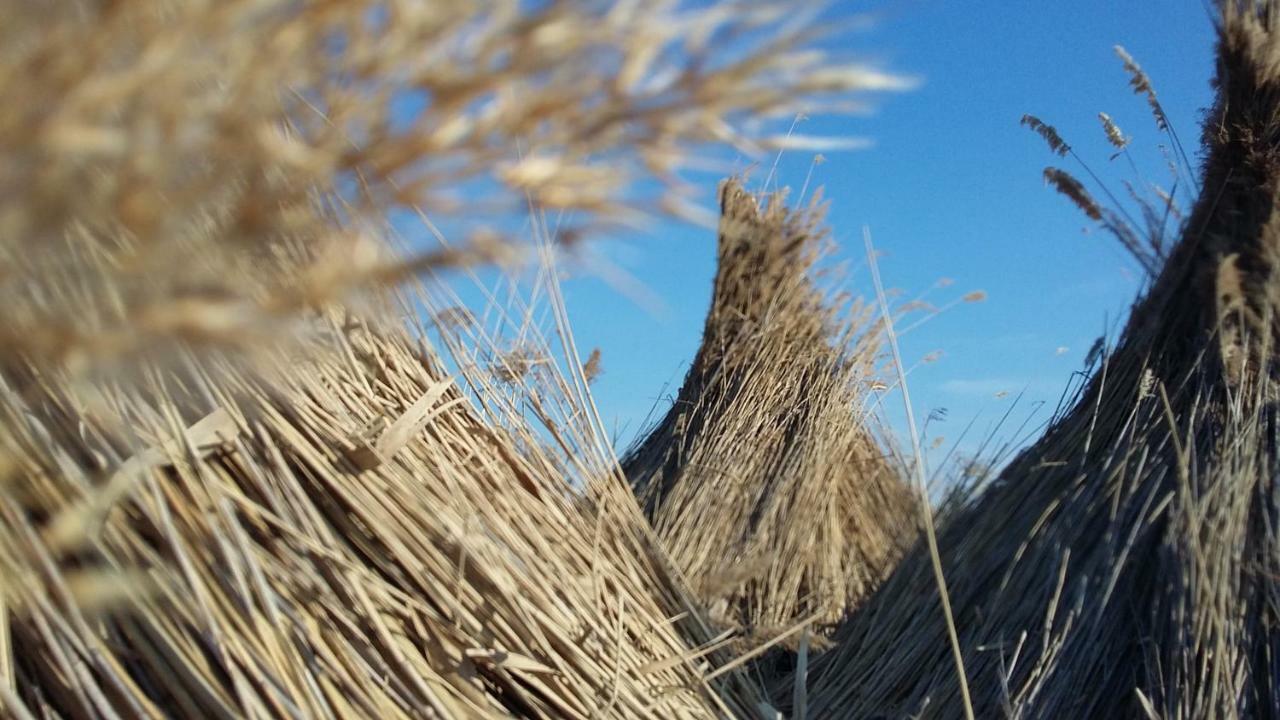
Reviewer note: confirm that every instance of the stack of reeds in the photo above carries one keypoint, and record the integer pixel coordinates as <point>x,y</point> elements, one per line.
<point>763,480</point>
<point>254,461</point>
<point>338,535</point>
<point>1126,564</point>
<point>241,478</point>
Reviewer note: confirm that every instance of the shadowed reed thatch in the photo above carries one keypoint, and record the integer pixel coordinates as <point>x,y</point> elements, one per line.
<point>763,480</point>
<point>1127,564</point>
<point>225,489</point>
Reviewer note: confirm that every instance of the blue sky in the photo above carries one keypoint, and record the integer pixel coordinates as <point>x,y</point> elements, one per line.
<point>951,188</point>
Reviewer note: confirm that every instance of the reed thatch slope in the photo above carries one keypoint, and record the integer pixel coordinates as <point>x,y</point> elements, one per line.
<point>763,480</point>
<point>1126,564</point>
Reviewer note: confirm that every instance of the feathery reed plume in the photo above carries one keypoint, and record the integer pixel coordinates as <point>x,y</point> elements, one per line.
<point>1150,250</point>
<point>593,367</point>
<point>146,135</point>
<point>1125,565</point>
<point>1141,85</point>
<point>1114,135</point>
<point>763,480</point>
<point>1065,183</point>
<point>1117,220</point>
<point>1048,132</point>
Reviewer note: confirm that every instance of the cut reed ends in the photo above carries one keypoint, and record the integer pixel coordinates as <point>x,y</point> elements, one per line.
<point>333,532</point>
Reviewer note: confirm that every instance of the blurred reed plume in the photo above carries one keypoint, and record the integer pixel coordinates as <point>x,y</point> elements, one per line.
<point>198,168</point>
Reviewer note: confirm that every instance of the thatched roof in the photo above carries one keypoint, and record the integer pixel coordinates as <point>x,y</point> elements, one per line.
<point>763,480</point>
<point>1126,564</point>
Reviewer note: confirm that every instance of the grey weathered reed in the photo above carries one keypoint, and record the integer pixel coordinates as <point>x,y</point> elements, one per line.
<point>1126,564</point>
